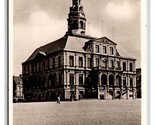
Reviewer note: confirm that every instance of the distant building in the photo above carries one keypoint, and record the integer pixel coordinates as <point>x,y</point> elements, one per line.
<point>78,65</point>
<point>138,82</point>
<point>17,88</point>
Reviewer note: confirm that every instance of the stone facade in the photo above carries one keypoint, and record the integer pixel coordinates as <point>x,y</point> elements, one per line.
<point>78,65</point>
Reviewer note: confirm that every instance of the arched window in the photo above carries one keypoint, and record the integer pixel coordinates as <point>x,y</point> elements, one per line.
<point>111,80</point>
<point>74,24</point>
<point>131,82</point>
<point>118,80</point>
<point>81,24</point>
<point>104,79</point>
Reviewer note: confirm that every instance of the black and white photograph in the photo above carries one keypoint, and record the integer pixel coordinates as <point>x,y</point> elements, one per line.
<point>75,62</point>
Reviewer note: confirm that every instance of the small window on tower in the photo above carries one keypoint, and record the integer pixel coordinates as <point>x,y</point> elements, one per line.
<point>74,24</point>
<point>81,24</point>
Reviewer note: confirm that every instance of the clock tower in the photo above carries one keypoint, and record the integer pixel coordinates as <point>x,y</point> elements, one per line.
<point>76,19</point>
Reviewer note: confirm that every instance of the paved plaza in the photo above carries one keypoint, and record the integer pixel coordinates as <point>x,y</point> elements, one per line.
<point>84,112</point>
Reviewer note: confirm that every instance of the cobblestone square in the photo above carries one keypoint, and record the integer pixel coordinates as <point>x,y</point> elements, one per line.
<point>84,112</point>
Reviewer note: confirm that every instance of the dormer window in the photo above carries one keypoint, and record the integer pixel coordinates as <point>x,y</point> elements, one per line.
<point>131,67</point>
<point>111,51</point>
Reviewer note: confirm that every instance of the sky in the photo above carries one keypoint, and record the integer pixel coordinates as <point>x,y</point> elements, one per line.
<point>38,22</point>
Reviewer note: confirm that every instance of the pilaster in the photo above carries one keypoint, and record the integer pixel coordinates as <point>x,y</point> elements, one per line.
<point>99,83</point>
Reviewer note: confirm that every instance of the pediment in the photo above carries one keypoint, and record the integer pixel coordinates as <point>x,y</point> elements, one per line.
<point>105,40</point>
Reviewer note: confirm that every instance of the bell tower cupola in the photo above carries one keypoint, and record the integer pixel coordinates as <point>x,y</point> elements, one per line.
<point>76,19</point>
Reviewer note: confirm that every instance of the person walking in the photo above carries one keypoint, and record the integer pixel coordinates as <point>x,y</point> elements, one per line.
<point>58,100</point>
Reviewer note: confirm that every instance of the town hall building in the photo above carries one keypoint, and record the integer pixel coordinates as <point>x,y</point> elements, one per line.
<point>78,66</point>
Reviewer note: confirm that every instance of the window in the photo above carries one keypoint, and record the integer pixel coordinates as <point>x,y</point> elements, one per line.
<point>103,64</point>
<point>30,68</point>
<point>50,63</point>
<point>80,79</point>
<point>53,63</point>
<point>71,61</point>
<point>124,66</point>
<point>80,61</point>
<point>124,81</point>
<point>104,49</point>
<point>23,69</point>
<point>117,64</point>
<point>131,82</point>
<point>97,48</point>
<point>41,66</point>
<point>71,79</point>
<point>60,79</point>
<point>49,81</point>
<point>38,67</point>
<point>34,67</point>
<point>97,62</point>
<point>81,24</point>
<point>74,24</point>
<point>46,64</point>
<point>89,62</point>
<point>111,51</point>
<point>59,61</point>
<point>27,69</point>
<point>130,67</point>
<point>111,63</point>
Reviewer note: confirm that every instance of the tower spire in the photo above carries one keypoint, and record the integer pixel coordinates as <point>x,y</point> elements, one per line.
<point>76,18</point>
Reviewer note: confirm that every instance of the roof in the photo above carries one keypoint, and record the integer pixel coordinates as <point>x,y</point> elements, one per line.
<point>75,43</point>
<point>17,79</point>
<point>72,43</point>
<point>50,48</point>
<point>123,53</point>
